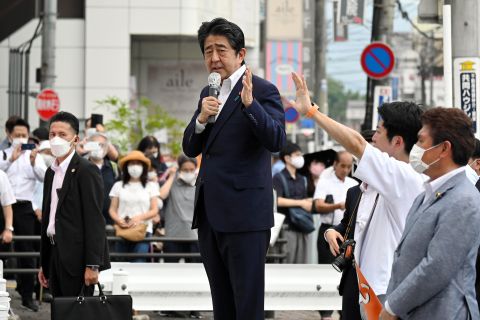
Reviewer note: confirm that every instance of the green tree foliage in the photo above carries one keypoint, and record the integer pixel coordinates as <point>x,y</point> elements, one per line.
<point>338,98</point>
<point>129,125</point>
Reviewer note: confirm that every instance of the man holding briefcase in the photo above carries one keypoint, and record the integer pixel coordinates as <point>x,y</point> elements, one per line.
<point>73,245</point>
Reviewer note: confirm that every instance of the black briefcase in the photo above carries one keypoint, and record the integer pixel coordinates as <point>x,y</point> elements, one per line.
<point>101,307</point>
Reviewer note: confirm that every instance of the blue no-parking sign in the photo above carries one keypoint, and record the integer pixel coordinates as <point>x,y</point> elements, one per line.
<point>377,60</point>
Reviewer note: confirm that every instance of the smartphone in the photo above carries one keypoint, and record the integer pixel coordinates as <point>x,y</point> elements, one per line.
<point>96,119</point>
<point>28,146</point>
<point>329,199</point>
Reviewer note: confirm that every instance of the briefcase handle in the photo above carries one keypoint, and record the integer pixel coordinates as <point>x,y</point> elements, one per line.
<point>101,295</point>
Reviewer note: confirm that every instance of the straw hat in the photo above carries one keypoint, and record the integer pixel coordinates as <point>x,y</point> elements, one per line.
<point>134,155</point>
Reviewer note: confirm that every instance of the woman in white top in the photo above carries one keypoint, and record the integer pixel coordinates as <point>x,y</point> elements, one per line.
<point>134,201</point>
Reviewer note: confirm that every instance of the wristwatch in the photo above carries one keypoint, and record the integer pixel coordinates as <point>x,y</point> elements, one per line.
<point>9,228</point>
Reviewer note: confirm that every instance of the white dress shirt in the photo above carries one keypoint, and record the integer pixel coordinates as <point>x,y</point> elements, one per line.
<point>398,185</point>
<point>471,174</point>
<point>57,183</point>
<point>225,91</point>
<point>21,174</point>
<point>6,192</point>
<point>431,187</point>
<point>330,184</point>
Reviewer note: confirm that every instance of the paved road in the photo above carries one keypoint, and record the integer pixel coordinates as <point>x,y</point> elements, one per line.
<point>44,312</point>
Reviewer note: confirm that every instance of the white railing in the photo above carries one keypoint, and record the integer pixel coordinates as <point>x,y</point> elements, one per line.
<point>184,286</point>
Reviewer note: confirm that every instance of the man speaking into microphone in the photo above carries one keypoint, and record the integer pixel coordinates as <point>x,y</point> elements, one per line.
<point>234,200</point>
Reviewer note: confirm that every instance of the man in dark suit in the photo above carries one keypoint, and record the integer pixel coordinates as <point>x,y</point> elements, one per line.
<point>73,245</point>
<point>233,202</point>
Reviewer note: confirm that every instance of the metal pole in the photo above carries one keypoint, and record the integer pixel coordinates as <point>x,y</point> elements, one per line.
<point>320,90</point>
<point>382,28</point>
<point>26,90</point>
<point>48,46</point>
<point>447,53</point>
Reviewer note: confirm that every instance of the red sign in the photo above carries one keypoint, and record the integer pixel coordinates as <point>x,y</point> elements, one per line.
<point>47,104</point>
<point>377,60</point>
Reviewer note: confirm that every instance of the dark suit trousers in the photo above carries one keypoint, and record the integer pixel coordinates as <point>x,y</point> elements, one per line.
<point>235,266</point>
<point>24,225</point>
<point>350,305</point>
<point>61,283</point>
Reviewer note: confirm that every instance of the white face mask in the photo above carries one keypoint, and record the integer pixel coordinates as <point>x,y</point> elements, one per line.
<point>471,174</point>
<point>97,154</point>
<point>298,161</point>
<point>152,175</point>
<point>415,158</point>
<point>19,141</point>
<point>89,132</point>
<point>188,177</point>
<point>135,170</point>
<point>48,159</point>
<point>60,147</point>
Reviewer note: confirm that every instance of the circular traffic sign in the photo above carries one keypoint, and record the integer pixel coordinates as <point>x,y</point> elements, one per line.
<point>377,60</point>
<point>47,104</point>
<point>291,115</point>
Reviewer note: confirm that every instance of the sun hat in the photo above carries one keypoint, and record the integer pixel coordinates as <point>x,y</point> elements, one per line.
<point>134,155</point>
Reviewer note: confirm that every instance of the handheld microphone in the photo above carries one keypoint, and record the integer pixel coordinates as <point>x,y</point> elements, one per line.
<point>214,80</point>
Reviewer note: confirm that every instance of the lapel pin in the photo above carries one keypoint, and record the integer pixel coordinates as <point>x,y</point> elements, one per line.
<point>73,170</point>
<point>236,98</point>
<point>438,195</point>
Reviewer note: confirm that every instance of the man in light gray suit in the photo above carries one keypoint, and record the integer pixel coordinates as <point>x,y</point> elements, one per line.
<point>433,273</point>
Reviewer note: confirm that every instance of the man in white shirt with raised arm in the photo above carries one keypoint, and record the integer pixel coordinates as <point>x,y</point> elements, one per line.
<point>385,172</point>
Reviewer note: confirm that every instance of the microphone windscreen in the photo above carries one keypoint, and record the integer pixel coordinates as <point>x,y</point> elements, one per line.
<point>214,79</point>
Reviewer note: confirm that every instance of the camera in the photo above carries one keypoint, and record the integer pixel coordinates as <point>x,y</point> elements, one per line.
<point>345,256</point>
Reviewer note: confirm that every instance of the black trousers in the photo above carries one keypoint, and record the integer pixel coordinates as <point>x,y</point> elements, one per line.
<point>24,225</point>
<point>61,283</point>
<point>350,305</point>
<point>235,266</point>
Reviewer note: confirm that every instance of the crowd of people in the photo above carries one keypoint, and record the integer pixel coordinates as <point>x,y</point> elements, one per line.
<point>138,192</point>
<point>407,217</point>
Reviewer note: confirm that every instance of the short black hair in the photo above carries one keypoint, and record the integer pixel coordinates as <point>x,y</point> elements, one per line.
<point>402,118</point>
<point>20,123</point>
<point>183,158</point>
<point>476,150</point>
<point>148,142</point>
<point>222,27</point>
<point>288,149</point>
<point>66,117</point>
<point>41,133</point>
<point>9,124</point>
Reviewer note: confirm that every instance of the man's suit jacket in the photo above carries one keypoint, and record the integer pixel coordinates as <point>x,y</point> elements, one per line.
<point>433,273</point>
<point>79,223</point>
<point>235,172</point>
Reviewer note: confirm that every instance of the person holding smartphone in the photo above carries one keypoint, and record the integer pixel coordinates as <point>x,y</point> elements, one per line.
<point>93,125</point>
<point>23,169</point>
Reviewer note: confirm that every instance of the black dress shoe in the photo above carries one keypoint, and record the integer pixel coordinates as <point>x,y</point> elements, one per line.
<point>30,305</point>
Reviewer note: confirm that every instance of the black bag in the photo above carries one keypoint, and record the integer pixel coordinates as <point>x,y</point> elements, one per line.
<point>101,307</point>
<point>300,219</point>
